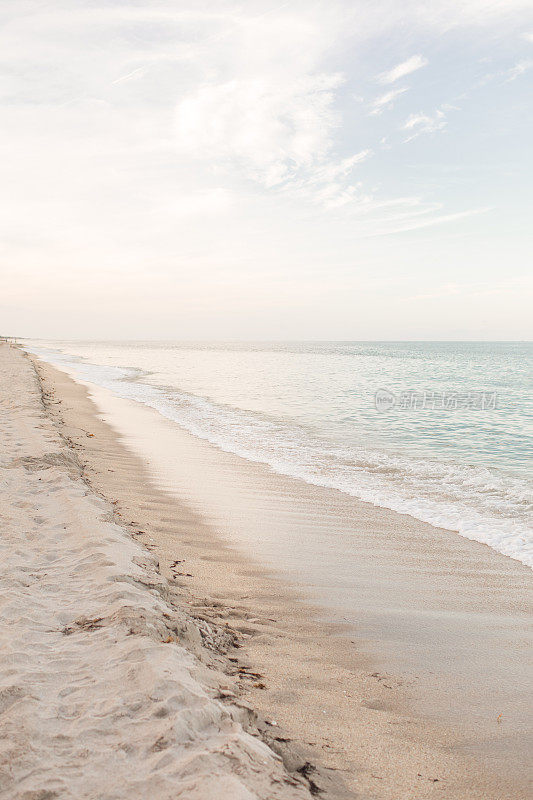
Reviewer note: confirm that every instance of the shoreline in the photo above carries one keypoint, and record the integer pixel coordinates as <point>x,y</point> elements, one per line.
<point>108,687</point>
<point>272,622</point>
<point>423,502</point>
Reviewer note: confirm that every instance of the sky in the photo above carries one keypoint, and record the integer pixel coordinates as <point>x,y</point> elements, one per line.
<point>337,169</point>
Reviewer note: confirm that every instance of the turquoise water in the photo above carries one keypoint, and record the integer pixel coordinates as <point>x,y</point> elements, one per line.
<point>438,430</point>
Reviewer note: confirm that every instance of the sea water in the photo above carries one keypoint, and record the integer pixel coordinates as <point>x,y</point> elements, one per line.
<point>438,430</point>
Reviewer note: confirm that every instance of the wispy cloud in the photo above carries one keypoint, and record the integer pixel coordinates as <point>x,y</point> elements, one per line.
<point>415,224</point>
<point>385,101</point>
<point>519,68</point>
<point>340,169</point>
<point>136,73</point>
<point>403,69</point>
<point>329,184</point>
<point>424,123</point>
<point>267,128</point>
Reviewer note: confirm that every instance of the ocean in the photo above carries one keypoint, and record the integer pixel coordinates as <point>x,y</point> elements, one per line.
<point>441,431</point>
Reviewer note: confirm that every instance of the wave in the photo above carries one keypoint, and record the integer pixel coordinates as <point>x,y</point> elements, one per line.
<point>478,502</point>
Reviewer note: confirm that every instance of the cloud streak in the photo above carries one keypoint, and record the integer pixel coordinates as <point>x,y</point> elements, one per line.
<point>401,70</point>
<point>424,123</point>
<point>519,69</point>
<point>386,101</point>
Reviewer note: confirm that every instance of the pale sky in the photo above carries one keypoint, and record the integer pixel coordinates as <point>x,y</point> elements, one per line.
<point>337,169</point>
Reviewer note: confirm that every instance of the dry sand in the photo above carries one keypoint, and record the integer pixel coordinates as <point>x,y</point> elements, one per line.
<point>100,694</point>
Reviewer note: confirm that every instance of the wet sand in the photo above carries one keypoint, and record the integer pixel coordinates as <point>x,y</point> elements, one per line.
<point>403,646</point>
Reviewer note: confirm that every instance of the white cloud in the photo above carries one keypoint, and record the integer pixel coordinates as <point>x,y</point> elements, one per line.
<point>528,37</point>
<point>424,123</point>
<point>413,224</point>
<point>519,68</point>
<point>386,100</point>
<point>267,128</point>
<point>328,185</point>
<point>340,169</point>
<point>136,73</point>
<point>403,69</point>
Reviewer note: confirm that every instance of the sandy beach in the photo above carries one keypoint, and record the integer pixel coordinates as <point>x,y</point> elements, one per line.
<point>280,674</point>
<point>108,687</point>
